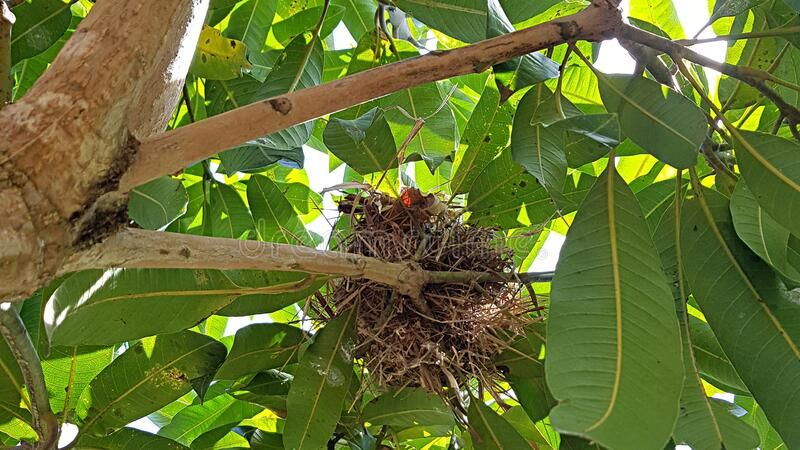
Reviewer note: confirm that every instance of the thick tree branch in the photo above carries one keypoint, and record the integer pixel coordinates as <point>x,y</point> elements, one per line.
<point>18,340</point>
<point>64,146</point>
<point>6,82</point>
<point>176,149</point>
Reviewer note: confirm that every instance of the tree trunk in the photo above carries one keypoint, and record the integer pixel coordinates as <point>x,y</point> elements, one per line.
<point>65,145</point>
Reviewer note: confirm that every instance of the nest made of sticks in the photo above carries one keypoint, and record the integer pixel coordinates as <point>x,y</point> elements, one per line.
<point>453,331</point>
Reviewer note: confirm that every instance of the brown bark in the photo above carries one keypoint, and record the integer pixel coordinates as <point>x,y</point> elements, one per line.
<point>65,145</point>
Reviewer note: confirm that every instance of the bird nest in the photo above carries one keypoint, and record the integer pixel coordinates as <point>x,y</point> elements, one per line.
<point>452,332</point>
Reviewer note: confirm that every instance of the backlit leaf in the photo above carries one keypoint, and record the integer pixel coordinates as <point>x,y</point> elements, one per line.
<point>219,58</point>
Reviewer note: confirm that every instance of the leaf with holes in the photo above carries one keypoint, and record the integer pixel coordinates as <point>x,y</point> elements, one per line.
<point>219,58</point>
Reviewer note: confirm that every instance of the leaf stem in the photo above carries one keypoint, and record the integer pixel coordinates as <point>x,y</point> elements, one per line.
<point>19,341</point>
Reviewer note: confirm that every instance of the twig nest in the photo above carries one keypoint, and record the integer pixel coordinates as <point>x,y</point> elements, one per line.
<point>452,331</point>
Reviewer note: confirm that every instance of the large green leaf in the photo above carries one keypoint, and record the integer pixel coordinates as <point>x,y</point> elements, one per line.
<point>68,370</point>
<point>306,20</point>
<point>220,439</point>
<point>39,25</point>
<point>771,167</point>
<point>250,23</point>
<point>195,420</point>
<point>366,143</point>
<point>148,376</point>
<point>260,347</point>
<point>669,126</point>
<point>490,431</point>
<point>219,58</point>
<point>321,383</point>
<point>157,203</point>
<point>128,439</point>
<point>742,288</point>
<point>765,237</point>
<point>612,331</point>
<point>486,133</point>
<point>703,423</point>
<point>406,408</point>
<point>100,307</point>
<point>275,218</point>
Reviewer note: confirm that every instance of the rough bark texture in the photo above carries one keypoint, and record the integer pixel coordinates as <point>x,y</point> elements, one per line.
<point>65,145</point>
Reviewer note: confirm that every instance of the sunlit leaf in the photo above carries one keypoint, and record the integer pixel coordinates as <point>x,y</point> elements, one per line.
<point>259,347</point>
<point>219,58</point>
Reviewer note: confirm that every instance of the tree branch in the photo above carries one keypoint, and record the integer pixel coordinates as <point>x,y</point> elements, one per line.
<point>754,77</point>
<point>6,82</point>
<point>135,248</point>
<point>176,149</point>
<point>18,340</point>
<point>776,32</point>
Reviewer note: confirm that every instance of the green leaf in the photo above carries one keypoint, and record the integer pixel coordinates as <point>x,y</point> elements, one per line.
<point>68,370</point>
<point>248,305</point>
<point>602,360</point>
<point>406,408</point>
<point>148,376</point>
<point>589,137</point>
<point>220,439</point>
<point>765,351</point>
<point>11,384</point>
<point>105,307</point>
<point>228,216</point>
<point>521,10</point>
<point>524,370</point>
<point>128,439</point>
<point>322,381</point>
<point>276,219</point>
<point>490,431</point>
<point>260,347</point>
<point>306,20</point>
<point>267,389</point>
<point>250,23</point>
<point>771,167</point>
<point>711,361</point>
<point>765,237</point>
<point>219,9</point>
<point>157,203</point>
<point>263,440</point>
<point>193,421</point>
<point>359,16</point>
<point>257,154</point>
<point>438,138</point>
<point>219,58</point>
<point>755,417</point>
<point>661,13</point>
<point>486,133</point>
<point>670,127</point>
<point>39,25</point>
<point>537,147</point>
<point>727,8</point>
<point>366,143</point>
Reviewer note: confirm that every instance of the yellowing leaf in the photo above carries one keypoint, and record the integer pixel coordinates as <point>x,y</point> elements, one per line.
<point>219,58</point>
